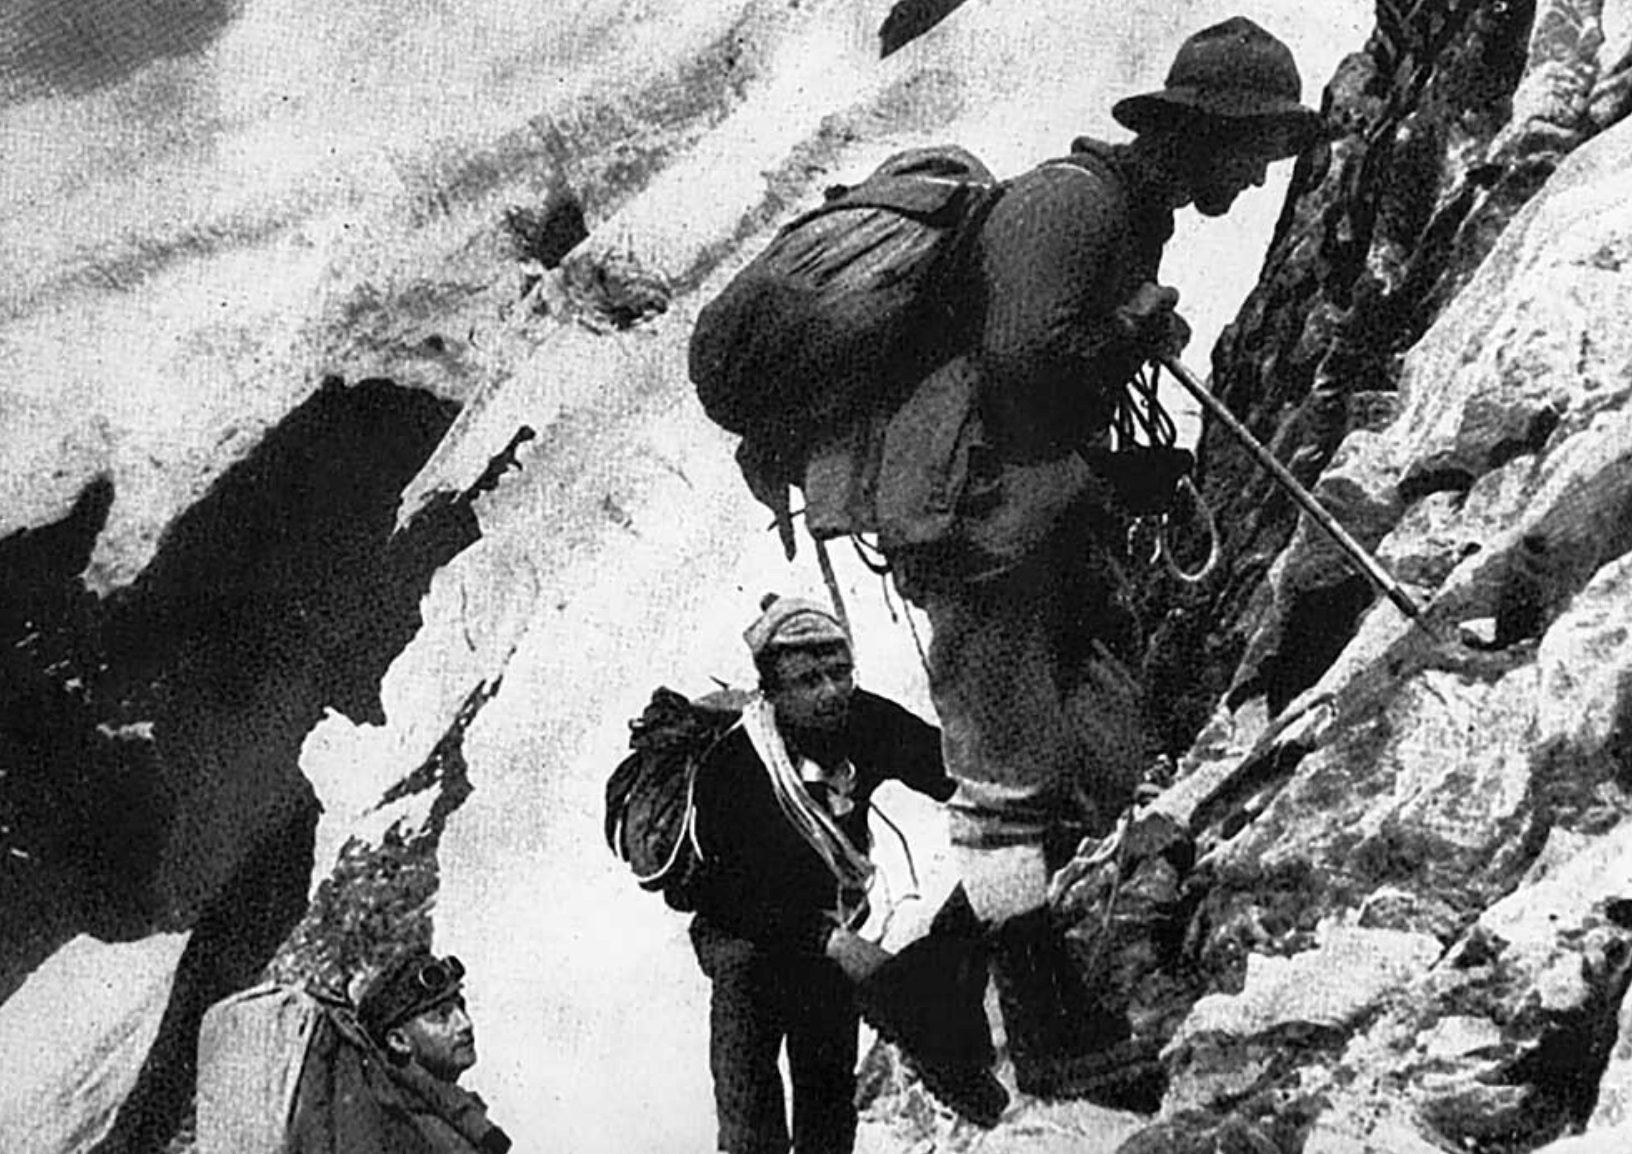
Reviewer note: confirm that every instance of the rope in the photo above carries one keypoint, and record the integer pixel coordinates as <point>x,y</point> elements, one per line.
<point>688,828</point>
<point>1140,414</point>
<point>867,551</point>
<point>893,904</point>
<point>1164,544</point>
<point>906,848</point>
<point>917,641</point>
<point>849,866</point>
<point>889,600</point>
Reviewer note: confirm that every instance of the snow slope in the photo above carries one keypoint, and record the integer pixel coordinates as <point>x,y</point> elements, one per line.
<point>183,243</point>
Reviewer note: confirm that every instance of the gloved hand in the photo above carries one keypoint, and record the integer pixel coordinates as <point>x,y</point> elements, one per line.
<point>856,956</point>
<point>1149,321</point>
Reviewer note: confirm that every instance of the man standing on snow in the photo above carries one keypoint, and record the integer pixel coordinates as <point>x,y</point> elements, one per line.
<point>1032,656</point>
<point>415,1013</point>
<point>782,806</point>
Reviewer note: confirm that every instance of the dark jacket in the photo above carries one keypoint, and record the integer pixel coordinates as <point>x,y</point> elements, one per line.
<point>762,881</point>
<point>353,1100</point>
<point>1066,244</point>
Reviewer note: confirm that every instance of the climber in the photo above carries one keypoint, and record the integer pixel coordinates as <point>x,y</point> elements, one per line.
<point>1032,660</point>
<point>782,806</point>
<point>414,1011</point>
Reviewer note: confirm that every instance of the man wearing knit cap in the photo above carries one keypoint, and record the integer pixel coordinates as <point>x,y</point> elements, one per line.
<point>1033,655</point>
<point>414,1011</point>
<point>782,805</point>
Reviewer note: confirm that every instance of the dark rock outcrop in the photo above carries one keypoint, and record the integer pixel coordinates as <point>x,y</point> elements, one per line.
<point>610,291</point>
<point>910,19</point>
<point>80,818</point>
<point>154,737</point>
<point>1410,929</point>
<point>545,235</point>
<point>280,594</point>
<point>377,898</point>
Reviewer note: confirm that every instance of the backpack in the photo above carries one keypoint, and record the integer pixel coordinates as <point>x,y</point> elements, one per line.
<point>846,308</point>
<point>282,1070</point>
<point>252,1049</point>
<point>651,810</point>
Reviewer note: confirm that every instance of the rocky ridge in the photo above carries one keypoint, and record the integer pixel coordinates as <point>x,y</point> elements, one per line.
<point>1406,924</point>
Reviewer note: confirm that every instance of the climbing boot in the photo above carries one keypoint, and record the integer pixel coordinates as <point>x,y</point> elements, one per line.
<point>1062,1038</point>
<point>930,1001</point>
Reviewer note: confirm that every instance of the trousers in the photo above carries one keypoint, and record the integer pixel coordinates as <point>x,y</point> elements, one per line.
<point>1032,677</point>
<point>761,1000</point>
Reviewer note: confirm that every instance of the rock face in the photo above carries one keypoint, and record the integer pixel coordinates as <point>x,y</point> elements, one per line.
<point>548,233</point>
<point>1411,926</point>
<point>266,602</point>
<point>1445,125</point>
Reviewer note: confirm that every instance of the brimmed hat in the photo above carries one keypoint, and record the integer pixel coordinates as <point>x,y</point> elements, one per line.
<point>1231,71</point>
<point>412,984</point>
<point>792,623</point>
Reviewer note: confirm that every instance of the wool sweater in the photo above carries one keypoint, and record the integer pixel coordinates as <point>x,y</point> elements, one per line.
<point>352,1100</point>
<point>762,881</point>
<point>1066,245</point>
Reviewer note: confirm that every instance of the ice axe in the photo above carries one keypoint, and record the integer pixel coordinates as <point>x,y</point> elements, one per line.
<point>1366,563</point>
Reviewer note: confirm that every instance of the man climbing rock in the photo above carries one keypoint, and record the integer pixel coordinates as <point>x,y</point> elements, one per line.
<point>782,805</point>
<point>1034,648</point>
<point>415,1013</point>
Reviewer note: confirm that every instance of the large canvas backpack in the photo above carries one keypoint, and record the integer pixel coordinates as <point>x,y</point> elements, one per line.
<point>252,1048</point>
<point>846,308</point>
<point>651,810</point>
<point>282,1070</point>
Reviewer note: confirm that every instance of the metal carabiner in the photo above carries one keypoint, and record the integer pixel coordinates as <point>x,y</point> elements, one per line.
<point>1165,546</point>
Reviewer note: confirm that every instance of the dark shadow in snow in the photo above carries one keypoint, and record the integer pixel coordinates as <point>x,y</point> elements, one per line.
<point>283,593</point>
<point>152,740</point>
<point>231,941</point>
<point>80,819</point>
<point>71,47</point>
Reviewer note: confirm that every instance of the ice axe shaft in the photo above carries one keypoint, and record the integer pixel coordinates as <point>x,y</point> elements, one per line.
<point>1357,552</point>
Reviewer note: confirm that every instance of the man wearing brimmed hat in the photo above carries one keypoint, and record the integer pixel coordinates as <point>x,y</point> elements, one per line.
<point>1033,655</point>
<point>782,805</point>
<point>414,1011</point>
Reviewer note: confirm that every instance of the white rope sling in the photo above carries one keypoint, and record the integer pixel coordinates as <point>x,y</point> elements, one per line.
<point>852,869</point>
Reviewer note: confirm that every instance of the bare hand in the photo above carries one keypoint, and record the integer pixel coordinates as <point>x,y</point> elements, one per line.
<point>856,956</point>
<point>1150,320</point>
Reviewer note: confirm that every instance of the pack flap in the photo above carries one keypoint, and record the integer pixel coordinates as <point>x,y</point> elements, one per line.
<point>925,458</point>
<point>251,1051</point>
<point>935,185</point>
